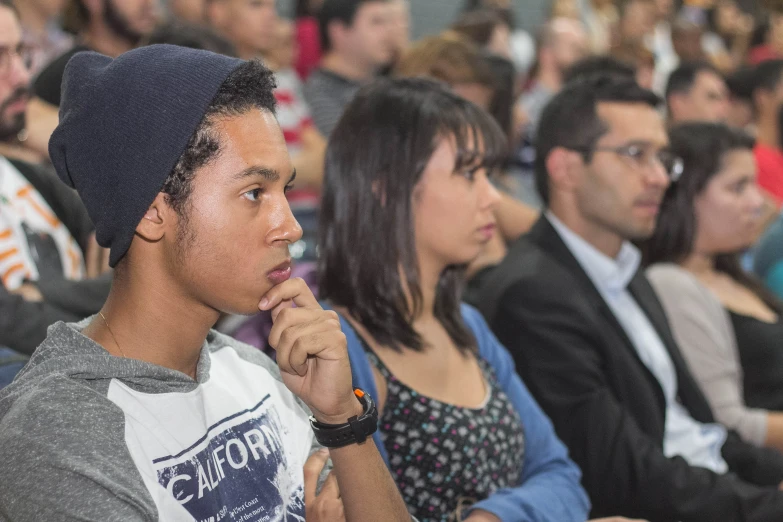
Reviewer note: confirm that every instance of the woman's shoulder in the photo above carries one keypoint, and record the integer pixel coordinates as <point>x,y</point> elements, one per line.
<point>672,279</point>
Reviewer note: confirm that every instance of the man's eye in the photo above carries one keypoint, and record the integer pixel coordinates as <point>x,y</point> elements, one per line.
<point>252,195</point>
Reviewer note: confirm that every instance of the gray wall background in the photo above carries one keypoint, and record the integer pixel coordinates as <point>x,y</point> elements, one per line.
<point>431,16</point>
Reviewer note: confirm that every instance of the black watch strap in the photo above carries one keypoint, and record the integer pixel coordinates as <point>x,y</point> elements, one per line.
<point>355,431</point>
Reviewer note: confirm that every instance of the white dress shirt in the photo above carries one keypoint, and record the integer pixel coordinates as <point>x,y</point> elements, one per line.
<point>699,444</point>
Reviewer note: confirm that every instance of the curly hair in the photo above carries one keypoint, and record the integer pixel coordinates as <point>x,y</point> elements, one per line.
<point>249,86</point>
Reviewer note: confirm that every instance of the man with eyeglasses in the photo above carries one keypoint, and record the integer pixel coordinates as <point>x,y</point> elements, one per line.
<point>45,233</point>
<point>589,335</point>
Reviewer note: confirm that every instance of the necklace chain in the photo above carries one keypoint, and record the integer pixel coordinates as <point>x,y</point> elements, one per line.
<point>112,333</point>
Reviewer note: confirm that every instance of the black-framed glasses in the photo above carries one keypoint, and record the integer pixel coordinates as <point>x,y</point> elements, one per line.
<point>7,55</point>
<point>643,157</point>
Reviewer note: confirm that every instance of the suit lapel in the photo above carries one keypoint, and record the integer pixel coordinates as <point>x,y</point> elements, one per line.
<point>545,235</point>
<point>688,391</point>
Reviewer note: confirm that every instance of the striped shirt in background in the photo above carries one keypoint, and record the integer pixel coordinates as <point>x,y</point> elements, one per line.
<point>328,94</point>
<point>32,239</point>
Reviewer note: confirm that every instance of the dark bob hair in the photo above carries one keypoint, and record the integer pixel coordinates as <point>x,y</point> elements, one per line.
<point>374,161</point>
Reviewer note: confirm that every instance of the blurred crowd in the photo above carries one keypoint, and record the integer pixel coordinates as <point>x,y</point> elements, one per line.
<point>621,239</point>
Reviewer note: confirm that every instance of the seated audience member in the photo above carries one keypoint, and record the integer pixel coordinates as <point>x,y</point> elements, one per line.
<point>400,28</point>
<point>728,39</point>
<point>41,32</point>
<point>642,59</point>
<point>723,320</point>
<point>485,29</point>
<point>188,11</point>
<point>256,31</point>
<point>45,233</point>
<point>523,46</point>
<point>193,209</point>
<point>110,27</point>
<point>696,92</point>
<point>452,59</point>
<point>589,337</point>
<point>562,42</point>
<point>768,258</point>
<point>308,37</point>
<point>768,103</point>
<point>740,84</point>
<point>357,40</point>
<point>408,178</point>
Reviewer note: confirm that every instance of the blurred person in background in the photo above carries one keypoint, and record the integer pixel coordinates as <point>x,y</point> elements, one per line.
<point>686,44</point>
<point>696,91</point>
<point>600,17</point>
<point>740,84</point>
<point>523,46</point>
<point>562,42</point>
<point>188,11</point>
<point>400,22</point>
<point>636,24</point>
<point>641,59</point>
<point>41,30</point>
<point>257,32</point>
<point>48,255</point>
<point>110,27</point>
<point>249,25</point>
<point>357,38</point>
<point>767,43</point>
<point>767,102</point>
<point>454,60</point>
<point>726,323</point>
<point>308,36</point>
<point>728,39</point>
<point>487,30</point>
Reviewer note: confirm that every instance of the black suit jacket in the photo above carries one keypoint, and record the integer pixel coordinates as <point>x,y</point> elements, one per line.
<point>605,404</point>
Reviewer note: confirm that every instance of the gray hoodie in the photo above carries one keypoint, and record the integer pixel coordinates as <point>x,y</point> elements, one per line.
<point>88,436</point>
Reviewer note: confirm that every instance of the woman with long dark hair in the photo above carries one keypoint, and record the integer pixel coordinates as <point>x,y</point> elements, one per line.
<point>726,323</point>
<point>407,204</point>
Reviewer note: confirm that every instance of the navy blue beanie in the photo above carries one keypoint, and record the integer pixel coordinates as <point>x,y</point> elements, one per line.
<point>124,123</point>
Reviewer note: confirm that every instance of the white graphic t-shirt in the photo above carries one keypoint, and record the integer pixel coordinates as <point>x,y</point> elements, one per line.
<point>232,449</point>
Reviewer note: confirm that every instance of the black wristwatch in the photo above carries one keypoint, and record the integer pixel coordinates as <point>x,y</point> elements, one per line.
<point>355,431</point>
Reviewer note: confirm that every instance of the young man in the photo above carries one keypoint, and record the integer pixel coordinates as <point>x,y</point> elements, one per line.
<point>143,413</point>
<point>357,37</point>
<point>110,27</point>
<point>45,234</point>
<point>590,337</point>
<point>696,91</point>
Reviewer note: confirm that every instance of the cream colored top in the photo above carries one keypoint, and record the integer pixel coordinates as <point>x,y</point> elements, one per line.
<point>703,330</point>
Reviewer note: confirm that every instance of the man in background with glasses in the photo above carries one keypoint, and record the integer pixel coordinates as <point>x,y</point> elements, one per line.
<point>45,233</point>
<point>589,335</point>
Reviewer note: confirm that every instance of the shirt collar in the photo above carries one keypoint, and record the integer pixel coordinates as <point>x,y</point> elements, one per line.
<point>607,274</point>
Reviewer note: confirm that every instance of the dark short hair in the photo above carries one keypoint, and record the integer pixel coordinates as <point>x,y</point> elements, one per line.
<point>741,83</point>
<point>571,119</point>
<point>703,148</point>
<point>768,75</point>
<point>338,10</point>
<point>249,86</point>
<point>505,14</point>
<point>375,159</point>
<point>681,80</point>
<point>599,65</point>
<point>192,36</point>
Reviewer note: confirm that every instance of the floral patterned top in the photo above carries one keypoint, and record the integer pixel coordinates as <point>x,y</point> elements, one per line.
<point>445,457</point>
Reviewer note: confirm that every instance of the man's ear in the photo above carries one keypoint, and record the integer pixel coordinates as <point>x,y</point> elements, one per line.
<point>158,218</point>
<point>563,166</point>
